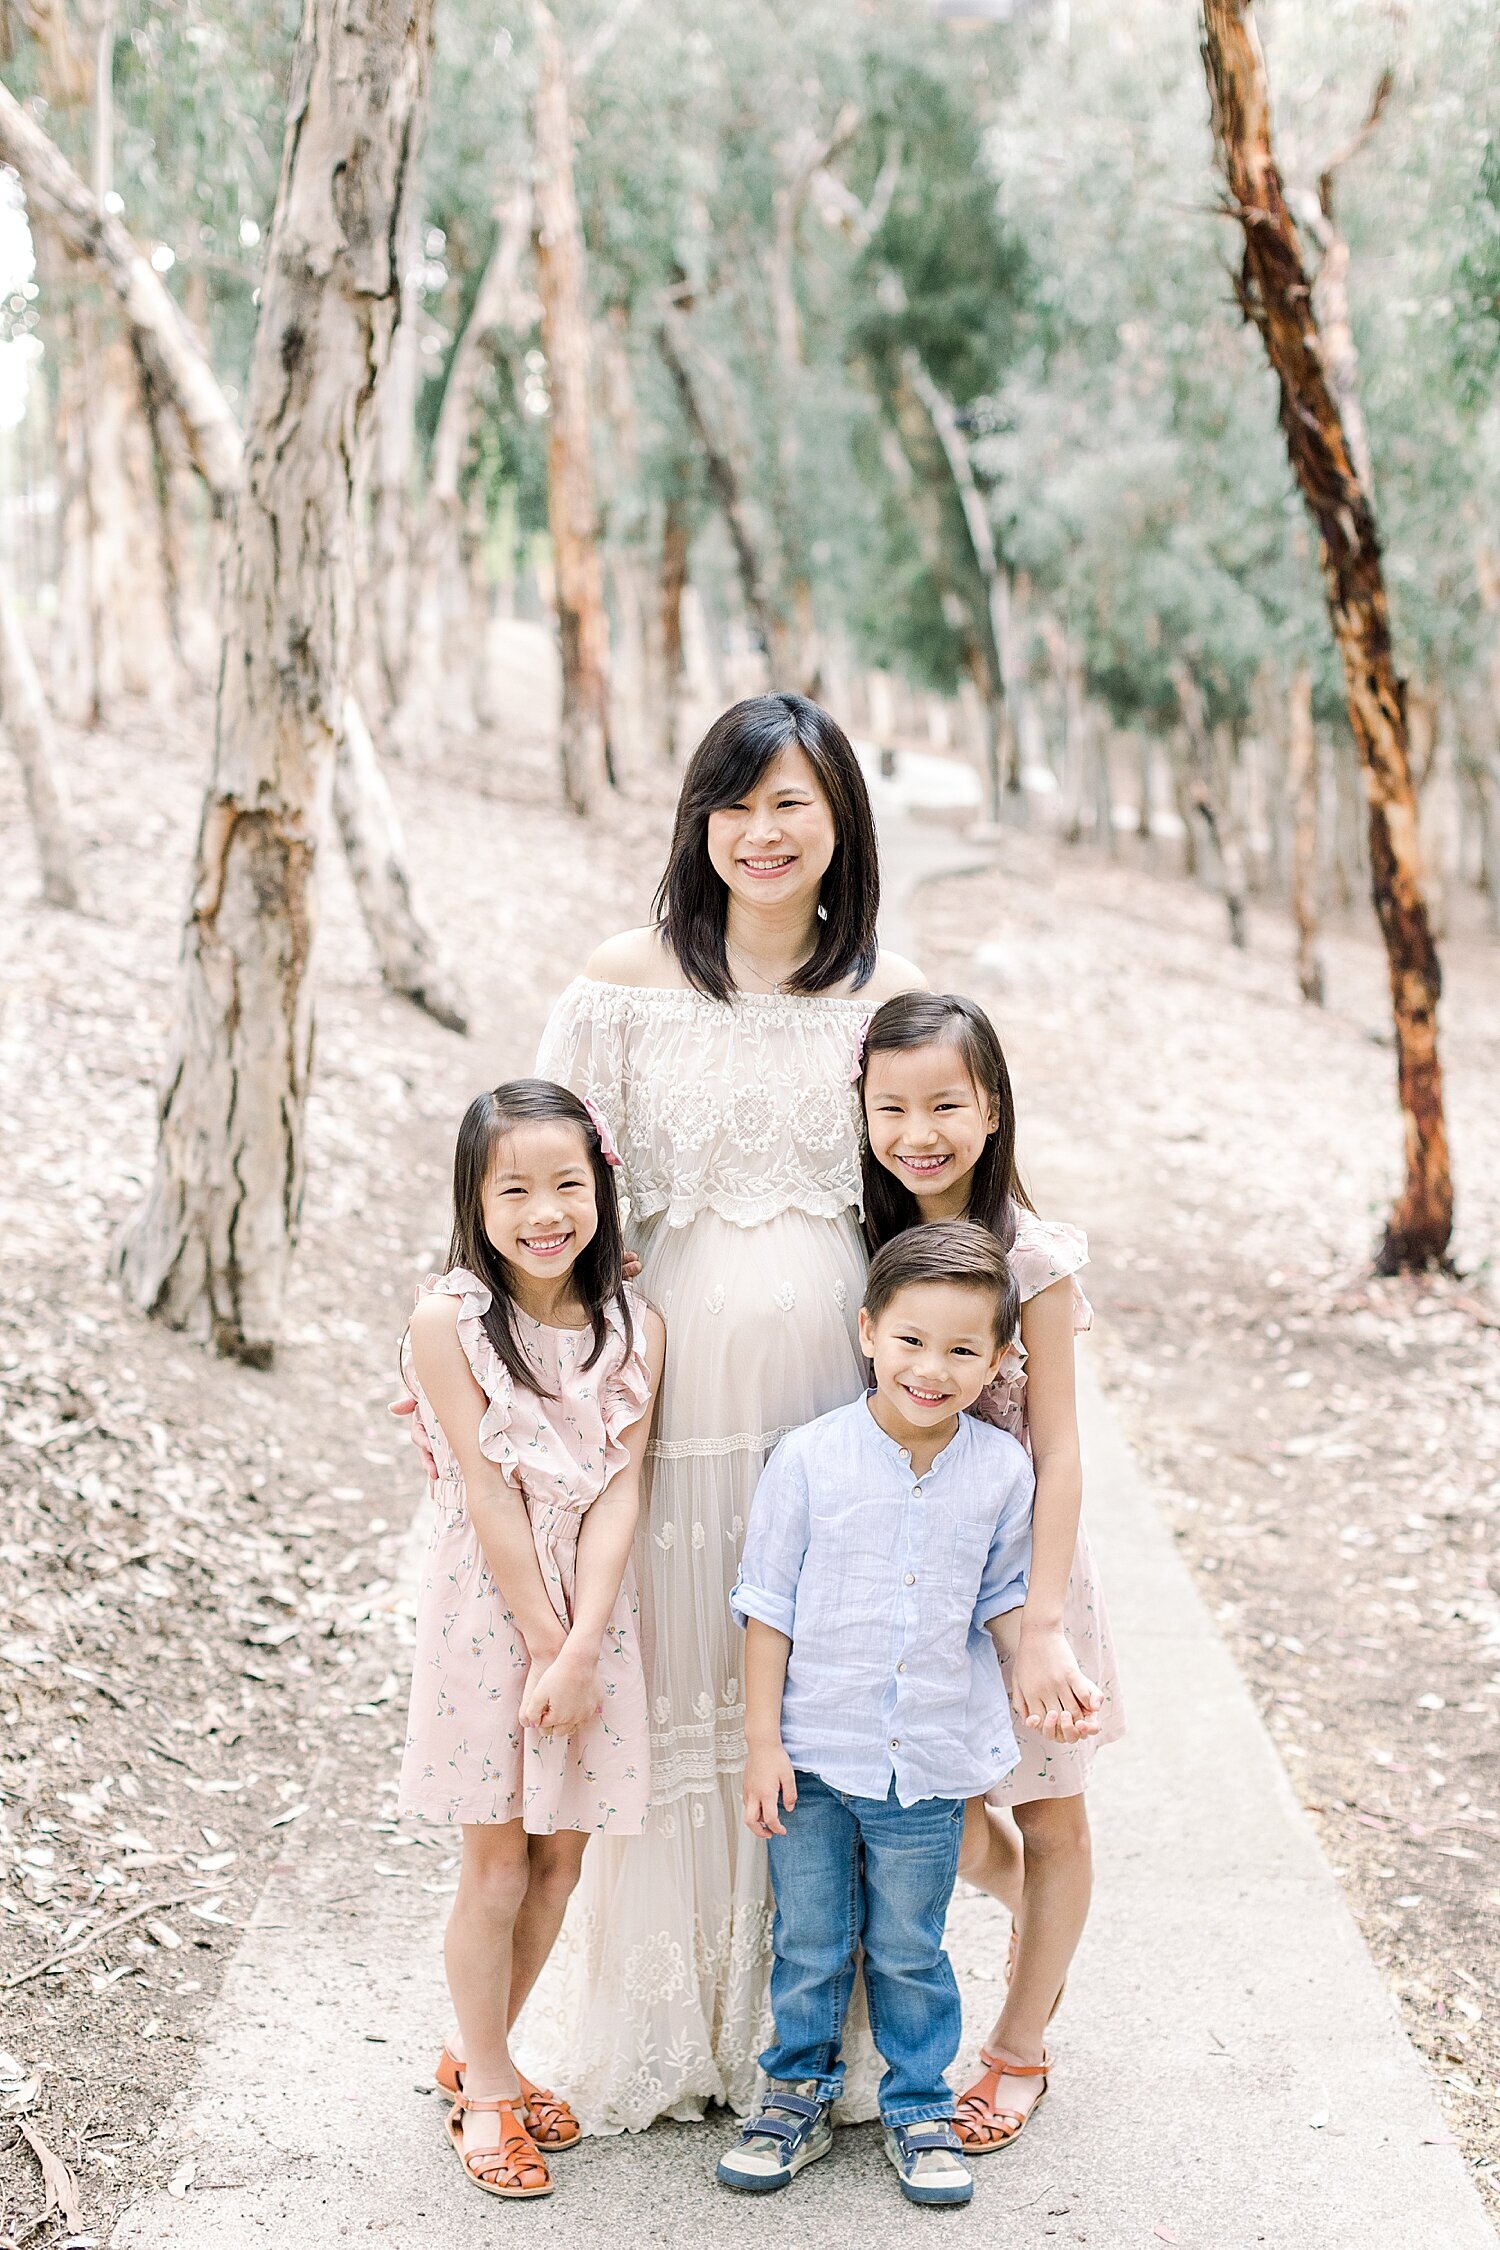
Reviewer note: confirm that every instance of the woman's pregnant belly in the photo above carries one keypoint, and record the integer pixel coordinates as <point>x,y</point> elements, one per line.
<point>762,1324</point>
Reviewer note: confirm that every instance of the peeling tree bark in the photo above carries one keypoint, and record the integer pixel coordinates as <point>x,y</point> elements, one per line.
<point>676,543</point>
<point>371,830</point>
<point>582,621</point>
<point>1302,795</point>
<point>502,303</point>
<point>28,722</point>
<point>211,1246</point>
<point>1275,291</point>
<point>177,369</point>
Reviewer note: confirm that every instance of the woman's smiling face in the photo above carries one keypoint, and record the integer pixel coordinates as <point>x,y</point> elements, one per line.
<point>774,846</point>
<point>926,1119</point>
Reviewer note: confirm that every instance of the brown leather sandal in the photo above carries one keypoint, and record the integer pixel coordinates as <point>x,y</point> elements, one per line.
<point>550,2121</point>
<point>980,2123</point>
<point>516,2170</point>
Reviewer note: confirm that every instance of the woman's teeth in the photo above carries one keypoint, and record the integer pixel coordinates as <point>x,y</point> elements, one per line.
<point>766,866</point>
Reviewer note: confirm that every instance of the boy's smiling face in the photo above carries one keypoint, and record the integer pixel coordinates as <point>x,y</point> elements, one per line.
<point>933,1349</point>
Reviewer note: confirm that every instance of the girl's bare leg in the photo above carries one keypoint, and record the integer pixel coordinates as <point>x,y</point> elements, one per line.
<point>1058,1878</point>
<point>555,1865</point>
<point>990,1855</point>
<point>478,1953</point>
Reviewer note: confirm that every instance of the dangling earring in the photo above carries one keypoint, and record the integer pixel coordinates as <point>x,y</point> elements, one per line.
<point>822,911</point>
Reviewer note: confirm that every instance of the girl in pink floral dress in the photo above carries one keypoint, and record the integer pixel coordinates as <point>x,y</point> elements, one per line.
<point>940,1140</point>
<point>534,1370</point>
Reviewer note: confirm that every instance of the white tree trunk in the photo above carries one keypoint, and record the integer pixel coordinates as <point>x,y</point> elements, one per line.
<point>211,1246</point>
<point>28,722</point>
<point>1302,795</point>
<point>371,830</point>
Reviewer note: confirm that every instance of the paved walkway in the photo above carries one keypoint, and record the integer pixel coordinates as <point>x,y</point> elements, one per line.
<point>1231,2071</point>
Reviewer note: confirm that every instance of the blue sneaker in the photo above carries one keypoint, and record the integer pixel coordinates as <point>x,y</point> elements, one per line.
<point>929,2161</point>
<point>790,2130</point>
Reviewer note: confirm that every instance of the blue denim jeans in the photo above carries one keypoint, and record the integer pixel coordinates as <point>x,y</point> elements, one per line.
<point>861,1871</point>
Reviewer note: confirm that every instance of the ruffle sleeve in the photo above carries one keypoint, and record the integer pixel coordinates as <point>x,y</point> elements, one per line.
<point>1046,1251</point>
<point>625,1394</point>
<point>489,1370</point>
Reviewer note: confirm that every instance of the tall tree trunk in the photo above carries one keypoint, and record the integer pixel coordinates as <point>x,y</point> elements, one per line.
<point>582,621</point>
<point>729,479</point>
<point>501,304</point>
<point>371,830</point>
<point>28,722</point>
<point>1275,291</point>
<point>183,389</point>
<point>113,634</point>
<point>388,607</point>
<point>976,516</point>
<point>672,578</point>
<point>1302,793</point>
<point>1483,760</point>
<point>1206,786</point>
<point>212,1244</point>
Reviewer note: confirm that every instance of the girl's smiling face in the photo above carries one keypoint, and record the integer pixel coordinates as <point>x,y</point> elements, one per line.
<point>540,1212</point>
<point>774,846</point>
<point>927,1122</point>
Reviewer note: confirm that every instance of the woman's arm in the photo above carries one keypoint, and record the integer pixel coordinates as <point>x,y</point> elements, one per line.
<point>566,1696</point>
<point>496,1506</point>
<point>1053,1695</point>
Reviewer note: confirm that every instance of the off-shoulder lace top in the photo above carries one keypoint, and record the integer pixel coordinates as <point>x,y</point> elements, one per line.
<point>746,1108</point>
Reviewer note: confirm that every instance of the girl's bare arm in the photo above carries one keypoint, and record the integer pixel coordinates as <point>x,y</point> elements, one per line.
<point>1054,1696</point>
<point>567,1695</point>
<point>496,1505</point>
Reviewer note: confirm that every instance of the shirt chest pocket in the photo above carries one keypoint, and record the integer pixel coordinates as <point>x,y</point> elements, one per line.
<point>964,1545</point>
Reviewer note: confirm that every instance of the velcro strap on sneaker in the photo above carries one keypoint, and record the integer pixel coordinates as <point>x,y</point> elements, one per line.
<point>795,2105</point>
<point>765,2128</point>
<point>920,2139</point>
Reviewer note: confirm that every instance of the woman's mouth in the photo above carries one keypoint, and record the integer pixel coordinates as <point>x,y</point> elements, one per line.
<point>544,1245</point>
<point>764,870</point>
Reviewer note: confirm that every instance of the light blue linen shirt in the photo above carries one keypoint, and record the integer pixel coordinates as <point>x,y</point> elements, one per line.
<point>883,1582</point>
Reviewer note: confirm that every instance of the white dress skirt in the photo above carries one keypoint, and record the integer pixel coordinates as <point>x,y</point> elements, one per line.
<point>738,1132</point>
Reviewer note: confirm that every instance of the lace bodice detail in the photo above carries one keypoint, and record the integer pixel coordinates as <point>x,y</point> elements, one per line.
<point>746,1108</point>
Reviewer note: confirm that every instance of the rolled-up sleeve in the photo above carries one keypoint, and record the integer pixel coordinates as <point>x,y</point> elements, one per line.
<point>1007,1566</point>
<point>775,1544</point>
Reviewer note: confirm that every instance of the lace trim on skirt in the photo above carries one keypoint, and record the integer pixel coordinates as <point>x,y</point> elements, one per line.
<point>685,1760</point>
<point>697,1449</point>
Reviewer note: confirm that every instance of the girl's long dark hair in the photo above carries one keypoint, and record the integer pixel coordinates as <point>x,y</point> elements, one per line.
<point>691,900</point>
<point>946,1019</point>
<point>597,1274</point>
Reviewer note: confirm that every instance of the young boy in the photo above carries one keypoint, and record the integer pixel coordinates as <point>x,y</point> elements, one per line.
<point>888,1543</point>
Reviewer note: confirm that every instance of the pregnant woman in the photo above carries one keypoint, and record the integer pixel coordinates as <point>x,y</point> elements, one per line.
<point>721,1045</point>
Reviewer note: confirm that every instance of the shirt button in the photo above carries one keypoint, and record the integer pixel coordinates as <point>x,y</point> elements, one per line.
<point>895,1744</point>
<point>901,1667</point>
<point>916,1492</point>
<point>911,1578</point>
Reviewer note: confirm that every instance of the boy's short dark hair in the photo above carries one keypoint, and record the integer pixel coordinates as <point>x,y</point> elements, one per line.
<point>953,1250</point>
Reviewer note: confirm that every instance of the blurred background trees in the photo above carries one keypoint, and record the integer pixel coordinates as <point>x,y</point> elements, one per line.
<point>889,352</point>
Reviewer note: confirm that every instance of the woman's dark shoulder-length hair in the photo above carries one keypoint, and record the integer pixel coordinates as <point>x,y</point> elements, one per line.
<point>691,900</point>
<point>945,1019</point>
<point>598,1276</point>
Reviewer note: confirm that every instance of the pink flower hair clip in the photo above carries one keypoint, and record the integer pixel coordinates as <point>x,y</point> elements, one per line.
<point>607,1148</point>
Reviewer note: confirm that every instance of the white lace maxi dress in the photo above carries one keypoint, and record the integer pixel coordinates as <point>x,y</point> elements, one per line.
<point>739,1134</point>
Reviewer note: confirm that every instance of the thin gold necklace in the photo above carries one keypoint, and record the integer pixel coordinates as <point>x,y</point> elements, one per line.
<point>735,954</point>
